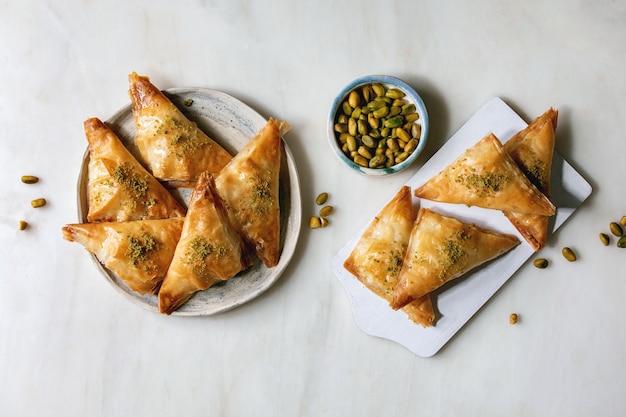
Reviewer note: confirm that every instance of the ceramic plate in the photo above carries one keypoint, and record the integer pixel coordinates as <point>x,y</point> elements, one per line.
<point>232,124</point>
<point>459,300</point>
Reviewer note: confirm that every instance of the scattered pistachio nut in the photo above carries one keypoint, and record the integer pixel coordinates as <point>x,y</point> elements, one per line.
<point>622,221</point>
<point>513,318</point>
<point>621,242</point>
<point>376,118</point>
<point>38,202</point>
<point>616,229</point>
<point>541,263</point>
<point>23,225</point>
<point>30,179</point>
<point>315,223</point>
<point>326,211</point>
<point>569,254</point>
<point>321,220</point>
<point>188,102</point>
<point>604,238</point>
<point>321,199</point>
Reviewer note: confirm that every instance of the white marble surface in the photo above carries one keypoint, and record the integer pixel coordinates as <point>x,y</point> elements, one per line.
<point>70,345</point>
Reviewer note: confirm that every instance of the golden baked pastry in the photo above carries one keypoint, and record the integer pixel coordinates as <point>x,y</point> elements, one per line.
<point>139,252</point>
<point>486,176</point>
<point>377,258</point>
<point>119,188</point>
<point>209,250</point>
<point>443,248</point>
<point>249,186</point>
<point>532,150</point>
<point>172,147</point>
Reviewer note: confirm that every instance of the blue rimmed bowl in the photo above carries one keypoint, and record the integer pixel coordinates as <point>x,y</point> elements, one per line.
<point>337,109</point>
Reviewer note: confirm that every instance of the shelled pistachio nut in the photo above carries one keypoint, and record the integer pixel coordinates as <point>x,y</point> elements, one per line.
<point>377,118</point>
<point>568,254</point>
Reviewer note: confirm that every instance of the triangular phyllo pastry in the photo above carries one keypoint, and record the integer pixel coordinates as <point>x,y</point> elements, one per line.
<point>486,176</point>
<point>377,257</point>
<point>209,250</point>
<point>249,186</point>
<point>441,249</point>
<point>119,187</point>
<point>139,252</point>
<point>172,147</point>
<point>532,149</point>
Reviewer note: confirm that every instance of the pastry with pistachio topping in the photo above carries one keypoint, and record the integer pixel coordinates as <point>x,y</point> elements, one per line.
<point>532,149</point>
<point>249,186</point>
<point>139,252</point>
<point>173,148</point>
<point>486,176</point>
<point>209,250</point>
<point>441,249</point>
<point>119,187</point>
<point>378,255</point>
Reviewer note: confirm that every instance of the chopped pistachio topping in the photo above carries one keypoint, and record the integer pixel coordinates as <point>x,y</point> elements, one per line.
<point>139,248</point>
<point>484,184</point>
<point>262,189</point>
<point>536,173</point>
<point>150,202</point>
<point>200,250</point>
<point>533,167</point>
<point>261,198</point>
<point>394,263</point>
<point>184,136</point>
<point>131,181</point>
<point>453,254</point>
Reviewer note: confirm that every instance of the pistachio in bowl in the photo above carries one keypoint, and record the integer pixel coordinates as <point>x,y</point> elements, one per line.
<point>378,125</point>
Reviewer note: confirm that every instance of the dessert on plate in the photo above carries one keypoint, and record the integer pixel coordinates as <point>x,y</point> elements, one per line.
<point>249,187</point>
<point>172,147</point>
<point>209,250</point>
<point>119,187</point>
<point>139,251</point>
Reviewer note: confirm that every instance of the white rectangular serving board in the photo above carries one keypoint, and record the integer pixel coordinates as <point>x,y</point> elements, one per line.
<point>458,301</point>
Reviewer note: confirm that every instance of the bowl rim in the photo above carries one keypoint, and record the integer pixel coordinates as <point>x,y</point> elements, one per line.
<point>383,79</point>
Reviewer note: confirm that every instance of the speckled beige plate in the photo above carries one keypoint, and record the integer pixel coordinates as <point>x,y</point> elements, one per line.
<point>231,123</point>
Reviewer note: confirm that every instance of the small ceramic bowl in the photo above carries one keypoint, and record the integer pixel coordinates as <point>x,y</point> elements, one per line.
<point>336,110</point>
